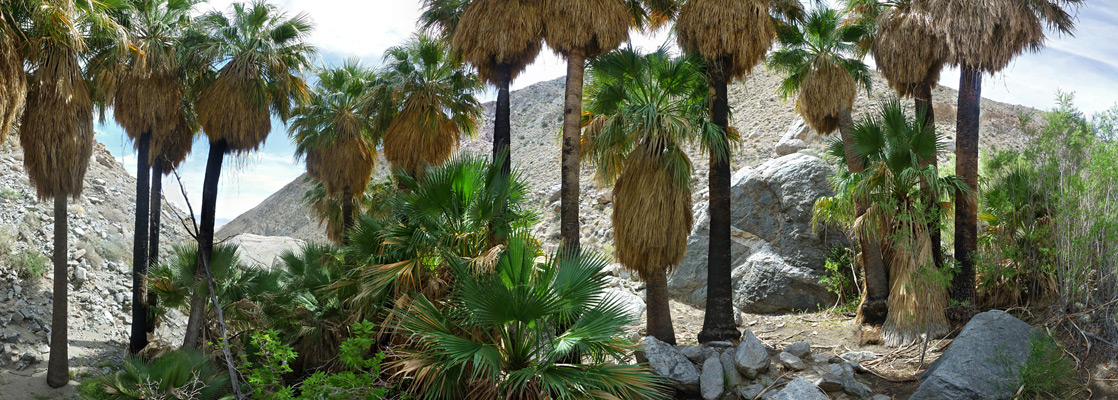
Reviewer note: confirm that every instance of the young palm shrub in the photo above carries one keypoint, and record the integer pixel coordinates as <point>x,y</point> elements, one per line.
<point>642,109</point>
<point>180,374</point>
<point>892,144</point>
<point>336,139</point>
<point>821,60</point>
<point>983,37</point>
<point>496,335</point>
<point>456,210</point>
<point>252,57</point>
<point>426,105</point>
<point>731,37</point>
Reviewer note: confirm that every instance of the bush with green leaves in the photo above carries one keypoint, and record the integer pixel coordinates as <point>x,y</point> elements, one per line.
<point>31,265</point>
<point>841,278</point>
<point>183,374</point>
<point>357,379</point>
<point>1046,374</point>
<point>507,324</point>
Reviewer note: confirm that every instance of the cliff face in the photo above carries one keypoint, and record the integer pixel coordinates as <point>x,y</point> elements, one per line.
<point>759,115</point>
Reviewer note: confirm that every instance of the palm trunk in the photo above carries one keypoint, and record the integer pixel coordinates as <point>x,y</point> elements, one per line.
<point>153,233</point>
<point>966,167</point>
<point>659,313</point>
<point>58,368</point>
<point>138,338</point>
<point>347,215</point>
<point>502,128</point>
<point>873,308</point>
<point>569,185</point>
<point>205,243</point>
<point>923,95</point>
<point>718,321</point>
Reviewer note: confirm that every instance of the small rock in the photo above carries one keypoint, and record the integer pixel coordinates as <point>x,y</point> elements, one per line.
<point>835,360</point>
<point>79,254</point>
<point>751,357</point>
<point>829,383</point>
<point>751,391</point>
<point>10,337</point>
<point>720,344</point>
<point>852,387</point>
<point>80,275</point>
<point>799,349</point>
<point>733,378</point>
<point>791,362</point>
<point>667,362</point>
<point>799,389</point>
<point>693,353</point>
<point>859,356</point>
<point>712,382</point>
<point>821,359</point>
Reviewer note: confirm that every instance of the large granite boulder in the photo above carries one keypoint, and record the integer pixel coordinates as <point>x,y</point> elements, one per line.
<point>982,362</point>
<point>776,258</point>
<point>667,362</point>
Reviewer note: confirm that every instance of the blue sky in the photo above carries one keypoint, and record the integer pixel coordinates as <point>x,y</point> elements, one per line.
<point>1086,64</point>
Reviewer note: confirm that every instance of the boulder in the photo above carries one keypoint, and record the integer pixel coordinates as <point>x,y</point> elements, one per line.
<point>982,362</point>
<point>667,362</point>
<point>629,301</point>
<point>712,382</point>
<point>799,349</point>
<point>751,357</point>
<point>733,378</point>
<point>791,362</point>
<point>263,251</point>
<point>785,147</point>
<point>798,389</point>
<point>777,260</point>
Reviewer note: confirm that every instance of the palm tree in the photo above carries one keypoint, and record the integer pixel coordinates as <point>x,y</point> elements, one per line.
<point>495,335</point>
<point>257,51</point>
<point>641,110</point>
<point>56,126</point>
<point>337,140</point>
<point>895,187</point>
<point>430,104</point>
<point>13,82</point>
<point>499,38</point>
<point>578,31</point>
<point>823,67</point>
<point>143,83</point>
<point>983,37</point>
<point>731,37</point>
<point>166,153</point>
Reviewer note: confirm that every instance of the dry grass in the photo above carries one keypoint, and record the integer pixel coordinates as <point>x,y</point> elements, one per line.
<point>420,136</point>
<point>651,215</point>
<point>13,84</point>
<point>149,103</point>
<point>984,34</point>
<point>56,131</point>
<point>499,32</point>
<point>592,26</point>
<point>827,92</point>
<point>343,167</point>
<point>908,51</point>
<point>733,33</point>
<point>233,109</point>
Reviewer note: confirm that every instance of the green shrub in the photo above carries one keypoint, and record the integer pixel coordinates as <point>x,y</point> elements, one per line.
<point>1047,373</point>
<point>840,277</point>
<point>181,374</point>
<point>356,380</point>
<point>31,264</point>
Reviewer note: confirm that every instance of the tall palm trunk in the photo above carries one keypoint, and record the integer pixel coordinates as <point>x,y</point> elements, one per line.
<point>923,95</point>
<point>153,233</point>
<point>873,308</point>
<point>58,368</point>
<point>205,243</point>
<point>966,167</point>
<point>347,215</point>
<point>718,321</point>
<point>569,185</point>
<point>138,338</point>
<point>659,312</point>
<point>502,124</point>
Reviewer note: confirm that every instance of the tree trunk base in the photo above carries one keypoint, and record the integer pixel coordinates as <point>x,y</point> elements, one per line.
<point>872,312</point>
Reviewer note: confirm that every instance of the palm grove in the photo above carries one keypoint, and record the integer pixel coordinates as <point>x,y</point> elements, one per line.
<point>434,255</point>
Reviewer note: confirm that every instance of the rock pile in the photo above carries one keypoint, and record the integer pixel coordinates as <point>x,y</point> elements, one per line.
<point>721,371</point>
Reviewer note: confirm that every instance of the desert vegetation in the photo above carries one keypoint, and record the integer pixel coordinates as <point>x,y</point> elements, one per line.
<point>432,285</point>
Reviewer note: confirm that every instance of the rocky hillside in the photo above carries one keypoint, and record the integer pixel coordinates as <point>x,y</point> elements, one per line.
<point>758,114</point>
<point>100,254</point>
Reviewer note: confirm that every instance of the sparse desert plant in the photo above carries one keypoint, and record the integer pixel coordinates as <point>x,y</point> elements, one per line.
<point>31,264</point>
